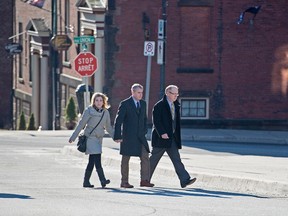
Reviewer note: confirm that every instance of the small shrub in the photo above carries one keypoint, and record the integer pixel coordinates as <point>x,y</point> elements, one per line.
<point>22,122</point>
<point>70,110</point>
<point>31,123</point>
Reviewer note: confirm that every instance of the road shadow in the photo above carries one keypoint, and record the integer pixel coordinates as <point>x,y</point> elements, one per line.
<point>241,148</point>
<point>174,192</point>
<point>14,196</point>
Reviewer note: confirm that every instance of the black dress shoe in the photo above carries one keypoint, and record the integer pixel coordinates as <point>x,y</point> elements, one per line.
<point>146,183</point>
<point>126,185</point>
<point>87,185</point>
<point>104,183</point>
<point>188,182</point>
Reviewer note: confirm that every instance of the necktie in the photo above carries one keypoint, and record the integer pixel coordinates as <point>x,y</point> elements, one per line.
<point>173,111</point>
<point>138,106</point>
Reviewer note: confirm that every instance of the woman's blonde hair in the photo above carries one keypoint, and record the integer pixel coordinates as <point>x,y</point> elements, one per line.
<point>104,97</point>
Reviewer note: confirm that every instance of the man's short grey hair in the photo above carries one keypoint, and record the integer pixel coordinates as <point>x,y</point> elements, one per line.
<point>135,86</point>
<point>169,87</point>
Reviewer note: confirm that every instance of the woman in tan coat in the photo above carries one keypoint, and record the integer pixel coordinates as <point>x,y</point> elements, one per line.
<point>89,119</point>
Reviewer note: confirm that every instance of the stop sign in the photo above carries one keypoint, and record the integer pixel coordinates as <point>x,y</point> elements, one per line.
<point>85,63</point>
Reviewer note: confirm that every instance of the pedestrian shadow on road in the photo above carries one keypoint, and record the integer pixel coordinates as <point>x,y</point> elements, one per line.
<point>14,196</point>
<point>174,192</point>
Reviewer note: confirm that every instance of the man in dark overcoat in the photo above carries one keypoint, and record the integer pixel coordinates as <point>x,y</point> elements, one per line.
<point>166,134</point>
<point>130,129</point>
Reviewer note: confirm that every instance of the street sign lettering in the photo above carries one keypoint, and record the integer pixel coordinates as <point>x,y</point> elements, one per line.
<point>161,29</point>
<point>84,39</point>
<point>85,60</point>
<point>160,52</point>
<point>85,68</point>
<point>85,64</point>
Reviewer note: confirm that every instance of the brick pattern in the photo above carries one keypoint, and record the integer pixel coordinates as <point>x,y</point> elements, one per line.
<point>247,59</point>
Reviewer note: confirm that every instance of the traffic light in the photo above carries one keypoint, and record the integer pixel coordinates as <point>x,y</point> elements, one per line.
<point>37,3</point>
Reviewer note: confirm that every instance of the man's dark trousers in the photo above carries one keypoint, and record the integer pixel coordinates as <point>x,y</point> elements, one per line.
<point>174,156</point>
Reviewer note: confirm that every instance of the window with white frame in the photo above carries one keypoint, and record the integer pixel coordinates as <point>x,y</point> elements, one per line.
<point>194,108</point>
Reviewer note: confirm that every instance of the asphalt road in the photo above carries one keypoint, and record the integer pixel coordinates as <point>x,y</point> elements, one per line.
<point>37,179</point>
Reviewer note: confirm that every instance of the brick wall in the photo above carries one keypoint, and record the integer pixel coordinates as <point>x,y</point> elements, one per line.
<point>242,68</point>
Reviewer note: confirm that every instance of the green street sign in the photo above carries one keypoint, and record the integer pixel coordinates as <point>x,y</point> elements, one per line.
<point>84,39</point>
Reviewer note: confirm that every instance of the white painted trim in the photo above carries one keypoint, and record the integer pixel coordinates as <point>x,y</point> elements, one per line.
<point>196,98</point>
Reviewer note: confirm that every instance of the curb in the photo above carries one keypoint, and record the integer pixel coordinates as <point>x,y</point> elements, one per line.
<point>197,135</point>
<point>204,180</point>
<point>233,139</point>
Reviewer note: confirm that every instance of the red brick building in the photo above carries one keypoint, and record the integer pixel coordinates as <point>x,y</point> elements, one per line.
<point>230,75</point>
<point>40,71</point>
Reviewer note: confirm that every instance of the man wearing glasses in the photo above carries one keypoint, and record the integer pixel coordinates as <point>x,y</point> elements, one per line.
<point>166,135</point>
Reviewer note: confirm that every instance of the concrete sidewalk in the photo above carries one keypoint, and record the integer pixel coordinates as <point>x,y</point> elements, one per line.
<point>239,136</point>
<point>213,135</point>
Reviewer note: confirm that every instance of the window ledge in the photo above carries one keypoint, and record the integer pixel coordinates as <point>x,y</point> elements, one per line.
<point>195,70</point>
<point>66,64</point>
<point>195,3</point>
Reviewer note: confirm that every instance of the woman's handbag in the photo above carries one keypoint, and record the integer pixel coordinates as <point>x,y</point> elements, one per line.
<point>82,139</point>
<point>81,145</point>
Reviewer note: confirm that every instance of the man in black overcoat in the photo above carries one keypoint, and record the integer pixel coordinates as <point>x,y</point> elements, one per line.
<point>130,129</point>
<point>166,134</point>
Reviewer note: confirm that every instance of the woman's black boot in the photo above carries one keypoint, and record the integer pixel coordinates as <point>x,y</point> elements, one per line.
<point>86,182</point>
<point>102,178</point>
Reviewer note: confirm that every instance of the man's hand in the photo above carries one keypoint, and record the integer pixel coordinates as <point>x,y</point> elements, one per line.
<point>165,136</point>
<point>118,140</point>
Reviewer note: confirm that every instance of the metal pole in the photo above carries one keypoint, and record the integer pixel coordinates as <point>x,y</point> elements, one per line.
<point>54,55</point>
<point>85,79</point>
<point>87,94</point>
<point>52,71</point>
<point>148,77</point>
<point>162,69</point>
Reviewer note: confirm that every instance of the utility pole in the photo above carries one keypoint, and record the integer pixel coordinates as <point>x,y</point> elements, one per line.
<point>162,69</point>
<point>55,74</point>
